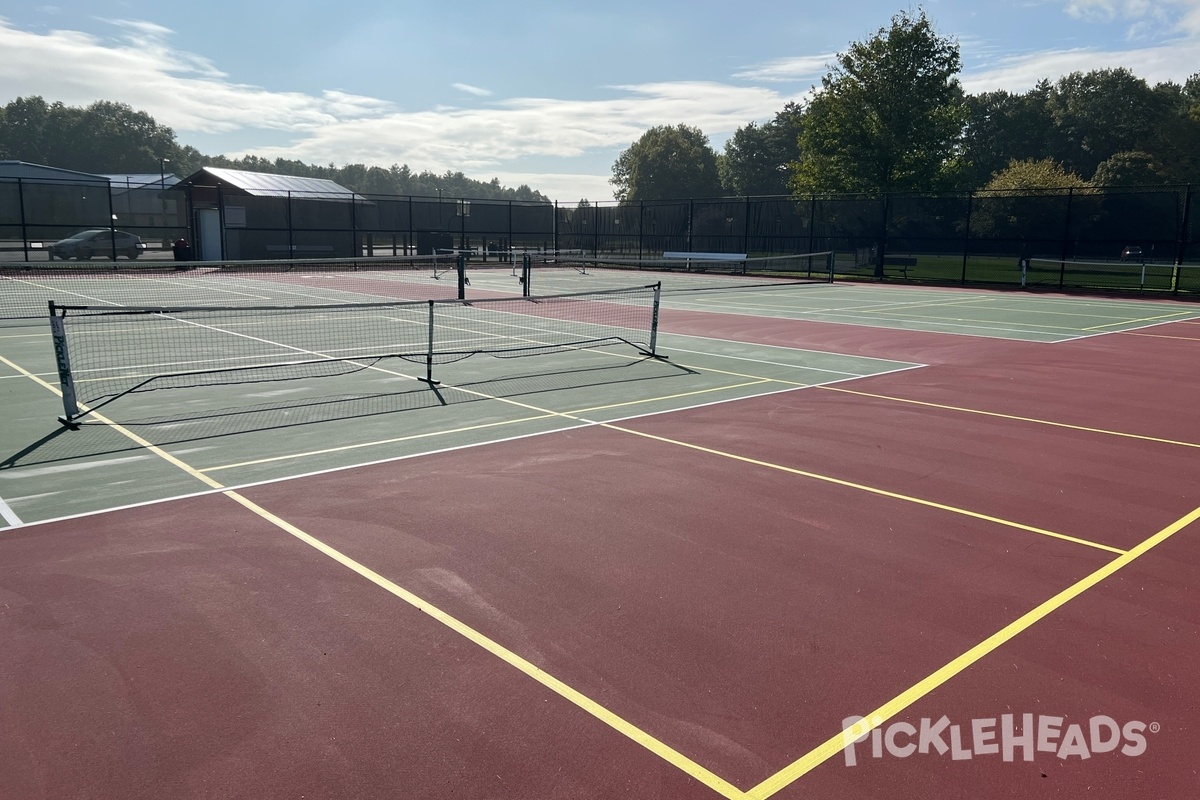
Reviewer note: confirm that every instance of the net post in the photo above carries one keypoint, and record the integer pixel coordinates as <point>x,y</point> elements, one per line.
<point>62,358</point>
<point>832,265</point>
<point>526,272</point>
<point>461,268</point>
<point>654,320</point>
<point>429,351</point>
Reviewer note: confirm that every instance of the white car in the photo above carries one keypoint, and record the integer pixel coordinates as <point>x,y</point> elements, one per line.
<point>97,242</point>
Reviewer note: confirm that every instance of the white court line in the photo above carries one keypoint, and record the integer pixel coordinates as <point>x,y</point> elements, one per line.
<point>865,324</point>
<point>394,459</point>
<point>8,515</point>
<point>781,364</point>
<point>1135,328</point>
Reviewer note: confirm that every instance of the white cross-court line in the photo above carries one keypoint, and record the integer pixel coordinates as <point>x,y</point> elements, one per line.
<point>9,515</point>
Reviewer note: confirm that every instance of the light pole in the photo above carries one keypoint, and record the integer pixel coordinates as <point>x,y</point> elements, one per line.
<point>162,172</point>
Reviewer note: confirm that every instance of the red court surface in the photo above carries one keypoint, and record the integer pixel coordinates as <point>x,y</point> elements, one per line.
<point>683,605</point>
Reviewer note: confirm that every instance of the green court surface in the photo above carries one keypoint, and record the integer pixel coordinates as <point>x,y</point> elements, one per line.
<point>1006,315</point>
<point>234,435</point>
<point>244,434</point>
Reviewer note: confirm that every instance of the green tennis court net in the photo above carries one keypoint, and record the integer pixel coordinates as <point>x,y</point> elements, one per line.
<point>25,288</point>
<point>104,354</point>
<point>548,273</point>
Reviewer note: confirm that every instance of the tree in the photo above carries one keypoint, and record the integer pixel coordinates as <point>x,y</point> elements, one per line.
<point>1030,174</point>
<point>1001,127</point>
<point>1128,168</point>
<point>756,158</point>
<point>667,162</point>
<point>104,137</point>
<point>1099,113</point>
<point>888,117</point>
<point>112,137</point>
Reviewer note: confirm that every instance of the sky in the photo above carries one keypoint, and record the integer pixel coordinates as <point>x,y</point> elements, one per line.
<point>540,93</point>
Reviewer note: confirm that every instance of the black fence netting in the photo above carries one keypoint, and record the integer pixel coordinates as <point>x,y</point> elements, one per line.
<point>1118,239</point>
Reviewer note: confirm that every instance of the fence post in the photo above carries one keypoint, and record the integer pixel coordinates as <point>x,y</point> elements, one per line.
<point>691,216</point>
<point>746,230</point>
<point>112,228</point>
<point>812,224</point>
<point>291,242</point>
<point>24,229</point>
<point>1184,239</point>
<point>882,248</point>
<point>967,235</point>
<point>641,223</point>
<point>1066,242</point>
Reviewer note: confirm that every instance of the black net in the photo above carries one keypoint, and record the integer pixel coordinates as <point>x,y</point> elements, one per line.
<point>562,272</point>
<point>107,353</point>
<point>25,288</point>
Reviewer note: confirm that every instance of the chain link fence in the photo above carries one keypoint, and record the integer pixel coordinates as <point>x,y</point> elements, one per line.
<point>1126,240</point>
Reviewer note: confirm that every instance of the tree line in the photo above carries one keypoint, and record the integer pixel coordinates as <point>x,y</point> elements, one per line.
<point>107,138</point>
<point>891,115</point>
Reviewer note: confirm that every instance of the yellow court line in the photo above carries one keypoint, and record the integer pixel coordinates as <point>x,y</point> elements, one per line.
<point>158,451</point>
<point>1006,309</point>
<point>864,488</point>
<point>835,744</point>
<point>1010,416</point>
<point>976,323</point>
<point>791,470</point>
<point>468,428</point>
<point>1141,320</point>
<point>874,307</point>
<point>580,700</point>
<point>1160,336</point>
<point>376,443</point>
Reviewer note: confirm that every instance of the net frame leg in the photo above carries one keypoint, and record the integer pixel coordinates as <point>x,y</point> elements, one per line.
<point>429,352</point>
<point>66,379</point>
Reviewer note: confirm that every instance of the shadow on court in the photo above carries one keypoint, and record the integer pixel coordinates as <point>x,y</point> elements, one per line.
<point>95,438</point>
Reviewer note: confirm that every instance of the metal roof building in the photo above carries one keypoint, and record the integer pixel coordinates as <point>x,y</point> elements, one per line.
<point>27,171</point>
<point>142,180</point>
<point>263,184</point>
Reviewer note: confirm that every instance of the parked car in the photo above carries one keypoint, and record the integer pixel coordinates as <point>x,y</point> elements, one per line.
<point>1131,254</point>
<point>97,242</point>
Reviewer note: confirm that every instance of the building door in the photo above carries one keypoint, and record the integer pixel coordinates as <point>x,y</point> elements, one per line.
<point>208,234</point>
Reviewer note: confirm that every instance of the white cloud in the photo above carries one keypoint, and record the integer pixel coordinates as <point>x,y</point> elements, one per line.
<point>565,187</point>
<point>189,94</point>
<point>1150,17</point>
<point>469,89</point>
<point>800,68</point>
<point>1167,62</point>
<point>142,64</point>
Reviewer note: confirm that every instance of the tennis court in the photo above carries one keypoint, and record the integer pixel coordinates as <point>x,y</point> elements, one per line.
<point>672,550</point>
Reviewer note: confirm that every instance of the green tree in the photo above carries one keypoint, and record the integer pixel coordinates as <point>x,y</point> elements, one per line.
<point>1128,168</point>
<point>888,117</point>
<point>104,137</point>
<point>1099,113</point>
<point>756,157</point>
<point>667,162</point>
<point>1029,174</point>
<point>1003,126</point>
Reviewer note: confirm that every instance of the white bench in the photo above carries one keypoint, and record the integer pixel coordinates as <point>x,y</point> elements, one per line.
<point>706,256</point>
